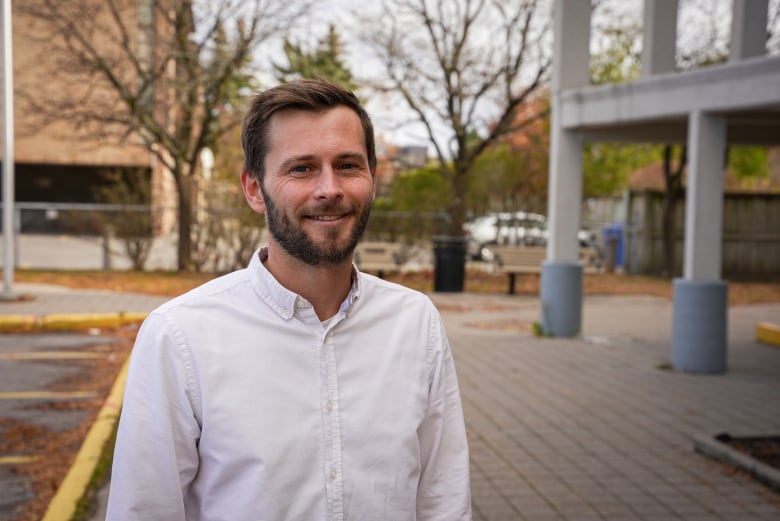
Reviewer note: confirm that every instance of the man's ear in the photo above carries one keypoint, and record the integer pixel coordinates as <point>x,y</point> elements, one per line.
<point>253,193</point>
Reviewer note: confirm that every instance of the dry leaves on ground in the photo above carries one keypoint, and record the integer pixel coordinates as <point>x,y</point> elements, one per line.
<point>171,284</point>
<point>55,450</point>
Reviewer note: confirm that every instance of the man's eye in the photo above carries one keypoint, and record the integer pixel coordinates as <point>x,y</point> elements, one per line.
<point>300,169</point>
<point>348,166</point>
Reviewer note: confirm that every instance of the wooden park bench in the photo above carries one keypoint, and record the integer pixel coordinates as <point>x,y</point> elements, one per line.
<point>591,259</point>
<point>528,259</point>
<point>518,259</point>
<point>379,257</point>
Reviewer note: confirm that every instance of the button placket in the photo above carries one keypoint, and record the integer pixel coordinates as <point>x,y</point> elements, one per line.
<point>332,425</point>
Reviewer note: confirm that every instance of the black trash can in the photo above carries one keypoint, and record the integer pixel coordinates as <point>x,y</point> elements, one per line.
<point>450,264</point>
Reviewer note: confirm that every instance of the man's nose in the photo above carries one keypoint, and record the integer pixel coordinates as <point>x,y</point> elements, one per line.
<point>328,185</point>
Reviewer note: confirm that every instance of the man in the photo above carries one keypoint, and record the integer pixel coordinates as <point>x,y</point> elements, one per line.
<point>297,388</point>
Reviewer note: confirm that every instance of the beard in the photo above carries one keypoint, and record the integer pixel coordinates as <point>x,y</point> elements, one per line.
<point>297,243</point>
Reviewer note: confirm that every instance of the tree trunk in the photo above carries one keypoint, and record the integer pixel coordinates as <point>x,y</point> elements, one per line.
<point>674,190</point>
<point>459,203</point>
<point>668,240</point>
<point>184,251</point>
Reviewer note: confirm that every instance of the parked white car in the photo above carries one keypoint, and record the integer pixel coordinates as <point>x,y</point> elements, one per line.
<point>518,228</point>
<point>509,229</point>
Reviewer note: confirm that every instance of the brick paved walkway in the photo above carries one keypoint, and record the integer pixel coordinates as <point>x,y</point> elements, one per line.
<point>597,428</point>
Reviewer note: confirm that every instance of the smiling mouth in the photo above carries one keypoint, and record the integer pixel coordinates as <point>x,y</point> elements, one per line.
<point>326,218</point>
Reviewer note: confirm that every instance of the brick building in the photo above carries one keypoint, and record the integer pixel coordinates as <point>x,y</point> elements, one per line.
<point>60,159</point>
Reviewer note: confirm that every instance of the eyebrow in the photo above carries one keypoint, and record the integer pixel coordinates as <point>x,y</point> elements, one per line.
<point>359,156</point>
<point>355,156</point>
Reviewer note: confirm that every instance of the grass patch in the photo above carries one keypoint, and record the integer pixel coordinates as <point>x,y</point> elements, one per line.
<point>86,505</point>
<point>167,283</point>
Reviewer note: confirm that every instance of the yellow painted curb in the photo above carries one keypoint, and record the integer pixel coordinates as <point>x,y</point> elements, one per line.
<point>45,395</point>
<point>67,321</point>
<point>52,355</point>
<point>17,323</point>
<point>768,333</point>
<point>58,322</point>
<point>17,460</point>
<point>72,488</point>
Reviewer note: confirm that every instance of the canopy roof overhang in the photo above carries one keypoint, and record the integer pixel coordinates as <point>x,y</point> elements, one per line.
<point>656,109</point>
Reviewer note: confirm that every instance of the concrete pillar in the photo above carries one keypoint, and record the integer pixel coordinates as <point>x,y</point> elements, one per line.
<point>748,29</point>
<point>699,329</point>
<point>571,45</point>
<point>561,299</point>
<point>659,37</point>
<point>564,193</point>
<point>561,285</point>
<point>704,196</point>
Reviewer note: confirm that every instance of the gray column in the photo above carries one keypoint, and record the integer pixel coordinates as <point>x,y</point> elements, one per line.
<point>704,196</point>
<point>748,29</point>
<point>699,329</point>
<point>561,285</point>
<point>564,193</point>
<point>700,326</point>
<point>571,45</point>
<point>659,37</point>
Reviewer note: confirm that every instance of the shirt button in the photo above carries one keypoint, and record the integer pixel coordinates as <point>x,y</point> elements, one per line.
<point>329,405</point>
<point>332,473</point>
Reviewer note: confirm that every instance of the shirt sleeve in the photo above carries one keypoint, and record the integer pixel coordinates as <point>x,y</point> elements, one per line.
<point>444,492</point>
<point>156,456</point>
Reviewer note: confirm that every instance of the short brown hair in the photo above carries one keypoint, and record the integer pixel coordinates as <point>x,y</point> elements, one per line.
<point>313,95</point>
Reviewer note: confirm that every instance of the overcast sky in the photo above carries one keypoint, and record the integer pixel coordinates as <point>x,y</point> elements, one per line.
<point>697,20</point>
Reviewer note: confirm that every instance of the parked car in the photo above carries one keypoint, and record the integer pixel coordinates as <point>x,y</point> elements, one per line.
<point>518,228</point>
<point>510,229</point>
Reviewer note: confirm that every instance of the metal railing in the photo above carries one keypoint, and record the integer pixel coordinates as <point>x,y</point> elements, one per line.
<point>95,236</point>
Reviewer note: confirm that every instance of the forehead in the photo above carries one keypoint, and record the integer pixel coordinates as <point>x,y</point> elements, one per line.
<point>295,131</point>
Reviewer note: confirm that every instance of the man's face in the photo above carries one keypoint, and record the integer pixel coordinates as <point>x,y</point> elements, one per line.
<point>318,188</point>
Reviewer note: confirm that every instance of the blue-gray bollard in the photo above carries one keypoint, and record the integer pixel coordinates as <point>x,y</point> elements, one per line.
<point>561,295</point>
<point>700,326</point>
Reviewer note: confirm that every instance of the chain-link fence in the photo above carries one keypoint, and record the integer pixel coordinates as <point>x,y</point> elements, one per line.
<point>113,236</point>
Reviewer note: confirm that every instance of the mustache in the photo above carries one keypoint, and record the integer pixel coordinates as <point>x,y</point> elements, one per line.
<point>329,209</point>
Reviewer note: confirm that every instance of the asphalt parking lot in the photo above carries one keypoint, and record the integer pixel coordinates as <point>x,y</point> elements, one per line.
<point>51,386</point>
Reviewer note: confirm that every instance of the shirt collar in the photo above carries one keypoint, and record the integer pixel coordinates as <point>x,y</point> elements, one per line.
<point>282,300</point>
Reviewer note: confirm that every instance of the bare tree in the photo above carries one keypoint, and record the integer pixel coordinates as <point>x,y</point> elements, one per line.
<point>165,73</point>
<point>463,67</point>
<point>675,191</point>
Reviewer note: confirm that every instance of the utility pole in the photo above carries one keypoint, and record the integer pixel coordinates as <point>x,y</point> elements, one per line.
<point>8,152</point>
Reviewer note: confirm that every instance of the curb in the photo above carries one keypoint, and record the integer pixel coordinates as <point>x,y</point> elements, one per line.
<point>768,333</point>
<point>712,447</point>
<point>63,504</point>
<point>67,321</point>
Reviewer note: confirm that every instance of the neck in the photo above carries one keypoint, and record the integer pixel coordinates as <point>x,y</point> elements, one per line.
<point>325,287</point>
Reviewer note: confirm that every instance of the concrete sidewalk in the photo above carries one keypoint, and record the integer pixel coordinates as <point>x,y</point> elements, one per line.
<point>48,299</point>
<point>599,427</point>
<point>581,429</point>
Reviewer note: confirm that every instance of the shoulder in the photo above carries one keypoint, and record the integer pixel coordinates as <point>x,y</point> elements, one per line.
<point>384,302</point>
<point>187,321</point>
<point>235,287</point>
<point>408,310</point>
<point>402,298</point>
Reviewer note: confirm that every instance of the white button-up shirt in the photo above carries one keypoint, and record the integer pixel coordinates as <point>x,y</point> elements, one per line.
<point>242,405</point>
